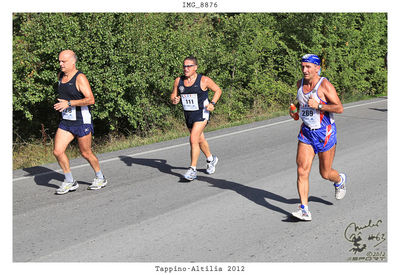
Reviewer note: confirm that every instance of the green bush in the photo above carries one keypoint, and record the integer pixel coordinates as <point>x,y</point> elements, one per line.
<point>131,61</point>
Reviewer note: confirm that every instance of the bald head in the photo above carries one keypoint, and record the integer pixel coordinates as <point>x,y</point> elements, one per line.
<point>67,59</point>
<point>69,54</point>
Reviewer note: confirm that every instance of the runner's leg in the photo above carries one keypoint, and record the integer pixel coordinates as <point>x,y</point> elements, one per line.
<point>304,159</point>
<point>85,146</point>
<point>204,147</point>
<point>61,141</point>
<point>325,165</point>
<point>197,136</point>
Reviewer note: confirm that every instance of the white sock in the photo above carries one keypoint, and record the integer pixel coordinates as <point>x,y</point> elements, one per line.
<point>99,175</point>
<point>68,177</point>
<point>193,167</point>
<point>210,158</point>
<point>305,207</point>
<point>340,182</point>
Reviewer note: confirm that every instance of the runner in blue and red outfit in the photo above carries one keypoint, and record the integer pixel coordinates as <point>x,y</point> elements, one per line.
<point>317,102</point>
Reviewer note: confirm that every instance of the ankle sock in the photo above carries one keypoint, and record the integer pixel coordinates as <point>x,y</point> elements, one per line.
<point>68,177</point>
<point>99,175</point>
<point>337,184</point>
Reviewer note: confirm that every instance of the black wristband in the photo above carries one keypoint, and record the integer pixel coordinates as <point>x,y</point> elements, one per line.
<point>213,103</point>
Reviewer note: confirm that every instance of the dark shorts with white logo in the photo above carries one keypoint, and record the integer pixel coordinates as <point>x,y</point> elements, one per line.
<point>77,130</point>
<point>195,116</point>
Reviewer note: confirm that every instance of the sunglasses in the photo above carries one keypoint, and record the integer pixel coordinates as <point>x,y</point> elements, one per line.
<point>188,66</point>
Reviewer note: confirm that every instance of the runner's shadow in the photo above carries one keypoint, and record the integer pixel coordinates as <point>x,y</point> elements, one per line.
<point>160,164</point>
<point>42,176</point>
<point>259,196</point>
<point>380,110</point>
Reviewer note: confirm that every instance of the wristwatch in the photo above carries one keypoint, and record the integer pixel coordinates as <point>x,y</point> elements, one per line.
<point>69,103</point>
<point>319,106</point>
<point>213,103</point>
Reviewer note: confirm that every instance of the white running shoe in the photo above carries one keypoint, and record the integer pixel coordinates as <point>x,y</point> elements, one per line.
<point>302,214</point>
<point>98,184</point>
<point>211,165</point>
<point>66,187</point>
<point>190,174</point>
<point>340,188</point>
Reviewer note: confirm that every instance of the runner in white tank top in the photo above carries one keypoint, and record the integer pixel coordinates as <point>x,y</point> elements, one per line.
<point>313,118</point>
<point>318,100</point>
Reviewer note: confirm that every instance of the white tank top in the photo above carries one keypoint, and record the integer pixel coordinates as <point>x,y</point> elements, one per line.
<point>311,117</point>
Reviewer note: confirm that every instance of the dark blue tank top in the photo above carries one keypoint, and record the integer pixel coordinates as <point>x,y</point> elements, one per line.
<point>202,96</point>
<point>75,115</point>
<point>68,91</point>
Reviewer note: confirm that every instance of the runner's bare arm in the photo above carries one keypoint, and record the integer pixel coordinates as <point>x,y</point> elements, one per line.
<point>327,93</point>
<point>82,84</point>
<point>210,84</point>
<point>334,105</point>
<point>296,103</point>
<point>174,95</point>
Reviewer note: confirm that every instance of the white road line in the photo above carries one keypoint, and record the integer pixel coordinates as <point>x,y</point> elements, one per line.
<point>182,144</point>
<point>358,105</point>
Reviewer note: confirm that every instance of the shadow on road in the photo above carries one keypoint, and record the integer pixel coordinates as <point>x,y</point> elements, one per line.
<point>42,176</point>
<point>160,164</point>
<point>255,195</point>
<point>259,196</point>
<point>380,110</point>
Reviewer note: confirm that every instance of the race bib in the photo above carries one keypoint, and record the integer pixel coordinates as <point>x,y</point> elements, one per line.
<point>310,117</point>
<point>69,113</point>
<point>190,102</point>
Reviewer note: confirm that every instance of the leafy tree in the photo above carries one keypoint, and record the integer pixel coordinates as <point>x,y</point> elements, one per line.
<point>132,59</point>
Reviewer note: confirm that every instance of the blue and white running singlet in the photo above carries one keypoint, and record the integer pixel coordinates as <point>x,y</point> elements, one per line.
<point>318,128</point>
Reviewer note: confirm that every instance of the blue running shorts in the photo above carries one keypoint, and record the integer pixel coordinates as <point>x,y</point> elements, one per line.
<point>77,130</point>
<point>321,139</point>
<point>194,116</point>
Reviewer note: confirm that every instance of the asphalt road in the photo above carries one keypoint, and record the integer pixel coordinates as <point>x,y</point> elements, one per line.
<point>241,213</point>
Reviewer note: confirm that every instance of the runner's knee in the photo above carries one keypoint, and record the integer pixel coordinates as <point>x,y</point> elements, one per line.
<point>325,174</point>
<point>57,152</point>
<point>302,171</point>
<point>87,154</point>
<point>194,139</point>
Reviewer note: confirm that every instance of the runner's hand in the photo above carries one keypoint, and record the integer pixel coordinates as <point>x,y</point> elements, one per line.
<point>61,105</point>
<point>176,100</point>
<point>210,107</point>
<point>313,103</point>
